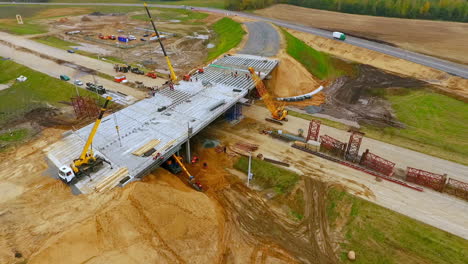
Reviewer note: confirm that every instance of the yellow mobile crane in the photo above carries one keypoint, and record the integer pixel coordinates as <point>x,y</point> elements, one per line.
<point>87,162</point>
<point>169,64</point>
<point>277,109</point>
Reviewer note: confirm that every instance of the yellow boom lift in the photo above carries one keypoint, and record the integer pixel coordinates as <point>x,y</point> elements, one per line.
<point>191,179</point>
<point>277,109</point>
<point>87,162</point>
<point>169,64</point>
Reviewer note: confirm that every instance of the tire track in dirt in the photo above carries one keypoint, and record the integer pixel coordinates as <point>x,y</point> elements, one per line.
<point>163,245</point>
<point>307,242</point>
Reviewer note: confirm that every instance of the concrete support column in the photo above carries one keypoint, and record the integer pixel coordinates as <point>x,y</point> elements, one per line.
<point>189,134</point>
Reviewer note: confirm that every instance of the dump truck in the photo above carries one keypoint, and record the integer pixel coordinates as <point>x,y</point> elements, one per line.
<point>339,35</point>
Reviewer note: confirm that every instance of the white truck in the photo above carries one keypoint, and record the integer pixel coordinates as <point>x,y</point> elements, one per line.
<point>339,35</point>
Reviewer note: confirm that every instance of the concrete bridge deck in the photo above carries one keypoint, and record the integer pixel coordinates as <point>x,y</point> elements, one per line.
<point>165,117</point>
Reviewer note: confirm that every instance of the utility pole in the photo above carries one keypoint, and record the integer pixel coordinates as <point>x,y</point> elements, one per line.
<point>249,173</point>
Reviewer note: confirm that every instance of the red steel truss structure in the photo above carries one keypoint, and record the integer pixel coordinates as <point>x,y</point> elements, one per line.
<point>332,145</point>
<point>352,152</point>
<point>84,107</point>
<point>314,130</point>
<point>425,178</point>
<point>457,188</point>
<point>376,163</point>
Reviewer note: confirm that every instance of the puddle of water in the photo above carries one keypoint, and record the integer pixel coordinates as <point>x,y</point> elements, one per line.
<point>210,45</point>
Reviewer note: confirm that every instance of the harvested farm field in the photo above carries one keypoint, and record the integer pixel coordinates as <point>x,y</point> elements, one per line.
<point>446,40</point>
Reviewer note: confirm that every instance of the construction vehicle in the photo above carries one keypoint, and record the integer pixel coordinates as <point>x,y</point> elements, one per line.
<point>136,70</point>
<point>87,162</point>
<point>191,179</point>
<point>152,74</point>
<point>95,88</point>
<point>169,64</point>
<point>276,108</point>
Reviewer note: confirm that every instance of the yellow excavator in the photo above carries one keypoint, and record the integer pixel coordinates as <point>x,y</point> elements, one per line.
<point>169,64</point>
<point>277,109</point>
<point>87,162</point>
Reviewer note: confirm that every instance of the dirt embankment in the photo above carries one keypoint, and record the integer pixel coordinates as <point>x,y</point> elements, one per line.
<point>436,38</point>
<point>290,78</point>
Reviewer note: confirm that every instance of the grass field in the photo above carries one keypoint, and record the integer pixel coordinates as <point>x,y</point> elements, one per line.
<point>39,90</point>
<point>268,176</point>
<point>66,45</point>
<point>379,235</point>
<point>15,135</point>
<point>177,14</point>
<point>432,119</point>
<point>319,64</point>
<point>228,35</point>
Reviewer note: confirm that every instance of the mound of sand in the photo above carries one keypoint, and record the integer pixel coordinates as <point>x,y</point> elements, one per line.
<point>151,223</point>
<point>290,78</point>
<point>158,220</point>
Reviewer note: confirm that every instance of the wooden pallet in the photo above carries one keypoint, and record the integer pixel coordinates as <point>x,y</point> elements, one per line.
<point>149,145</point>
<point>111,181</point>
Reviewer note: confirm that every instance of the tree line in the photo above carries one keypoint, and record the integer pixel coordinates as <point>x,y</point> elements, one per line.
<point>451,10</point>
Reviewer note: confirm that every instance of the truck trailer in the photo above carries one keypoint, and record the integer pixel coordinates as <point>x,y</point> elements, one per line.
<point>339,35</point>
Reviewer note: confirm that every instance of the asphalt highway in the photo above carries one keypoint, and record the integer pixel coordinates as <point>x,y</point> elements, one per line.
<point>443,65</point>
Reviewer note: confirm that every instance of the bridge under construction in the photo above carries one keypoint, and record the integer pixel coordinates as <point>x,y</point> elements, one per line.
<point>153,129</point>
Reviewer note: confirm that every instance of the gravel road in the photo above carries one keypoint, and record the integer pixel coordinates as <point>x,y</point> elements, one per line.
<point>263,40</point>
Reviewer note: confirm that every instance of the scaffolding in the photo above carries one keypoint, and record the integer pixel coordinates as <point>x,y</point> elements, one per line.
<point>314,130</point>
<point>352,152</point>
<point>234,113</point>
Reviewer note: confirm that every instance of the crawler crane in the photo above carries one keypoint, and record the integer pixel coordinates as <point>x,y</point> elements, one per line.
<point>277,109</point>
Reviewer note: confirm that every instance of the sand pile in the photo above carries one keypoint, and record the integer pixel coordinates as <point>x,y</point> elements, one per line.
<point>158,220</point>
<point>151,223</point>
<point>290,78</point>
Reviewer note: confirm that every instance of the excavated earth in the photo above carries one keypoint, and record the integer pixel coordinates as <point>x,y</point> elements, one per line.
<point>352,98</point>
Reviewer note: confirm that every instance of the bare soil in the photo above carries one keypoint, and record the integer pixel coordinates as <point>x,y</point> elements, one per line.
<point>183,50</point>
<point>157,220</point>
<point>352,98</point>
<point>436,38</point>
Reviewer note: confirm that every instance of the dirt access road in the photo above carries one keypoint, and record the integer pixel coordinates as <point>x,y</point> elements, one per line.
<point>263,40</point>
<point>439,210</point>
<point>77,59</point>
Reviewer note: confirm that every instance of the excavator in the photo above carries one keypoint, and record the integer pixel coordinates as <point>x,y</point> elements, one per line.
<point>191,179</point>
<point>168,61</point>
<point>87,162</point>
<point>277,109</point>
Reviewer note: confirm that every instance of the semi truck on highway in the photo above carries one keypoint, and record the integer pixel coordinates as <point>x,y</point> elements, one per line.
<point>339,35</point>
